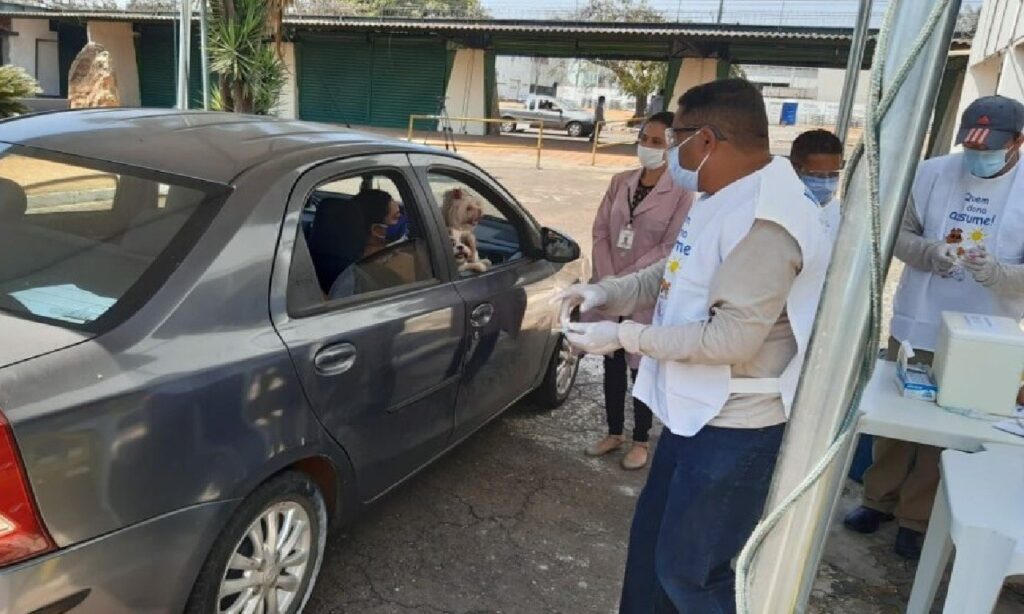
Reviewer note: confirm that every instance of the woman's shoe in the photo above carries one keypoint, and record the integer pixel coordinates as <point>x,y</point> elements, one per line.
<point>636,458</point>
<point>606,445</point>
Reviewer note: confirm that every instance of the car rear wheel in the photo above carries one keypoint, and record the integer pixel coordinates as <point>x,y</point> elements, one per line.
<point>268,556</point>
<point>560,376</point>
<point>574,129</point>
<point>509,125</point>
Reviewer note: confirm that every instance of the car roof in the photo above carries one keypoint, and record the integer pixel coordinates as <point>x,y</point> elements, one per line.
<point>199,144</point>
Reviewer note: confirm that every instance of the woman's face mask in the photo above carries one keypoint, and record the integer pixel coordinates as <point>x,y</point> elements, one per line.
<point>823,188</point>
<point>985,164</point>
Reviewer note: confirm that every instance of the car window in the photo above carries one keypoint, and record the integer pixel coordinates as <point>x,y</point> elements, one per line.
<point>363,235</point>
<point>81,245</point>
<point>482,233</point>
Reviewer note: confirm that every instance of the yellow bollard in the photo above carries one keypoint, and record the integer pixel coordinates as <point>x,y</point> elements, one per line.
<point>540,143</point>
<point>408,137</point>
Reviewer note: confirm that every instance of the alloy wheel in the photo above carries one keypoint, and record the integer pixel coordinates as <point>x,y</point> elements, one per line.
<point>269,563</point>
<point>565,371</point>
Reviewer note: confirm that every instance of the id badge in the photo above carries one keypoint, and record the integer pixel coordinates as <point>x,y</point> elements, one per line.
<point>626,238</point>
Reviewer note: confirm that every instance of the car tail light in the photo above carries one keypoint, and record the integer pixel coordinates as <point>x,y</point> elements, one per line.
<point>22,534</point>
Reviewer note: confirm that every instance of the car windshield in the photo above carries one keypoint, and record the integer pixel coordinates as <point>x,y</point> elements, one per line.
<point>565,105</point>
<point>82,244</point>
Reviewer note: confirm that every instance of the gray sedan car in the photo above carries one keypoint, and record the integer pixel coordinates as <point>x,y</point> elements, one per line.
<point>190,395</point>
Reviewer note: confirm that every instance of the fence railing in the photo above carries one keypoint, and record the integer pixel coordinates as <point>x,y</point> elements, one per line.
<point>599,128</point>
<point>463,120</point>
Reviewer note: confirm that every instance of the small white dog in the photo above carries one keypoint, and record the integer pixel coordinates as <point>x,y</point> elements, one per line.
<point>462,213</point>
<point>464,248</point>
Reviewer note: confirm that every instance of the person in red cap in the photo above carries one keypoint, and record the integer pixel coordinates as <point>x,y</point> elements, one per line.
<point>962,241</point>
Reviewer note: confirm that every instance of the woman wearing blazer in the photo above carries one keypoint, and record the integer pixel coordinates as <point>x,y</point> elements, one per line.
<point>636,226</point>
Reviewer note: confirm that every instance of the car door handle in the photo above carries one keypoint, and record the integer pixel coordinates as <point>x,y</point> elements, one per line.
<point>335,359</point>
<point>481,315</point>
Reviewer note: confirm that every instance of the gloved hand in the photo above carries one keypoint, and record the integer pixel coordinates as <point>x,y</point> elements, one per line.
<point>587,296</point>
<point>594,338</point>
<point>942,257</point>
<point>982,266</point>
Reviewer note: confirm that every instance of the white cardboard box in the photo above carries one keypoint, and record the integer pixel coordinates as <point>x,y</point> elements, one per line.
<point>978,362</point>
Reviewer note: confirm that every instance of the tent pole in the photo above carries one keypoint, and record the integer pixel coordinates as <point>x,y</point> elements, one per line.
<point>787,565</point>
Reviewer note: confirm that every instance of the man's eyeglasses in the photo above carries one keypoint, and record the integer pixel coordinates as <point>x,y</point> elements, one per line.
<point>675,136</point>
<point>821,174</point>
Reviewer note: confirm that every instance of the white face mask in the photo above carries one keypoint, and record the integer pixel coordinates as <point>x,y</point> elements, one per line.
<point>684,177</point>
<point>650,157</point>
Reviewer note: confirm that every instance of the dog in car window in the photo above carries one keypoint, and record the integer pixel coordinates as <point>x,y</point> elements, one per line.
<point>462,213</point>
<point>466,256</point>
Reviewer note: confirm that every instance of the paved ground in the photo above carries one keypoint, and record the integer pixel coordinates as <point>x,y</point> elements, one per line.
<point>518,520</point>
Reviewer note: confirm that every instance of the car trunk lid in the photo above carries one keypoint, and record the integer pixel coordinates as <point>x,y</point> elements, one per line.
<point>25,339</point>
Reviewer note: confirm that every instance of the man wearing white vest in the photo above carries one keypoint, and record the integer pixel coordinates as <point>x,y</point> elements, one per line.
<point>962,241</point>
<point>734,306</point>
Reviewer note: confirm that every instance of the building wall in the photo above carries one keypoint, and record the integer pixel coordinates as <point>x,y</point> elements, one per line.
<point>996,63</point>
<point>119,40</point>
<point>467,91</point>
<point>288,101</point>
<point>21,49</point>
<point>693,71</point>
<point>830,85</point>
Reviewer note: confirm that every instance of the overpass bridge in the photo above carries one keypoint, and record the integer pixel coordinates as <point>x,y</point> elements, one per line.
<point>378,71</point>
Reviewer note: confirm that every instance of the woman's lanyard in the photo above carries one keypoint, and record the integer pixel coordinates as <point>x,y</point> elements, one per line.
<point>633,201</point>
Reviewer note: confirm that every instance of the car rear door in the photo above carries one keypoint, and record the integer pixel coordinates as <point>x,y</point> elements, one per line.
<point>508,311</point>
<point>381,369</point>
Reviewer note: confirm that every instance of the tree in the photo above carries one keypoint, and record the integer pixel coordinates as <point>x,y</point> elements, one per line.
<point>250,73</point>
<point>15,84</point>
<point>637,78</point>
<point>393,8</point>
<point>423,8</point>
<point>967,20</point>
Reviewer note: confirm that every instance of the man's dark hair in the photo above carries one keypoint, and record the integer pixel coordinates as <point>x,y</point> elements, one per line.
<point>814,142</point>
<point>600,98</point>
<point>664,118</point>
<point>733,106</point>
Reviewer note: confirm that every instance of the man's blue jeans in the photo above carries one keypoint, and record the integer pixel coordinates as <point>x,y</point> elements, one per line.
<point>703,497</point>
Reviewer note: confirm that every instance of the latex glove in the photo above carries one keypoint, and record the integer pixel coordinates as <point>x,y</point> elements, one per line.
<point>587,296</point>
<point>982,266</point>
<point>594,338</point>
<point>942,257</point>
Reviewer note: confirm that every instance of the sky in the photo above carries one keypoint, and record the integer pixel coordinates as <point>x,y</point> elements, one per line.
<point>762,12</point>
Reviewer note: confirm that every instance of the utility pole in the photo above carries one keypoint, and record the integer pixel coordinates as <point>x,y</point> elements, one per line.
<point>184,49</point>
<point>721,5</point>
<point>204,54</point>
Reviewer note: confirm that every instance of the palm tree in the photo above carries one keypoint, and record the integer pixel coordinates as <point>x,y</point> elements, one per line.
<point>15,84</point>
<point>246,60</point>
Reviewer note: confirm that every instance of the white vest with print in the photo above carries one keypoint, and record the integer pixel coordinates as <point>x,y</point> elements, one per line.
<point>687,396</point>
<point>943,199</point>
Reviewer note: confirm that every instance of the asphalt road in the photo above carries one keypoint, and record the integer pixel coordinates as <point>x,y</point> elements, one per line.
<point>516,519</point>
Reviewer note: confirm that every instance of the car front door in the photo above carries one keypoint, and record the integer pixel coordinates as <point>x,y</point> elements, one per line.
<point>380,358</point>
<point>508,311</point>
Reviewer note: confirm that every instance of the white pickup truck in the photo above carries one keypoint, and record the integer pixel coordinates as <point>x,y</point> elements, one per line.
<point>554,113</point>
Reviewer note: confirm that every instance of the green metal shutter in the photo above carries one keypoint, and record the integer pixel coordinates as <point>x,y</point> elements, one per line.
<point>408,78</point>
<point>70,40</point>
<point>157,57</point>
<point>334,80</point>
<point>157,61</point>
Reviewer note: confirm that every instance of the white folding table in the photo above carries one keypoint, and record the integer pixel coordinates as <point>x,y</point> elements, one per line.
<point>885,412</point>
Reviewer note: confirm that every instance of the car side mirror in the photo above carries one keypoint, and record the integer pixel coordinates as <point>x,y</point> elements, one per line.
<point>559,248</point>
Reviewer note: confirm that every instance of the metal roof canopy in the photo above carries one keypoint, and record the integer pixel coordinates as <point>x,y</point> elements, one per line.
<point>789,45</point>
